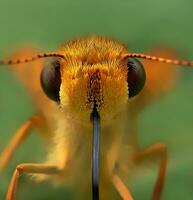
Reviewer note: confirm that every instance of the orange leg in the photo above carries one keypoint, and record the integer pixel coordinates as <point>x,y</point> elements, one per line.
<point>28,168</point>
<point>17,139</point>
<point>121,188</point>
<point>151,152</point>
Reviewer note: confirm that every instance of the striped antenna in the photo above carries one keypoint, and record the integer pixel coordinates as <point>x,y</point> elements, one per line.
<point>164,60</point>
<point>133,55</point>
<point>32,58</point>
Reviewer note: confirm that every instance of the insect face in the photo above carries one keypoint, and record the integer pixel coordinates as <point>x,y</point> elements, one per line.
<point>93,73</point>
<point>80,86</point>
<point>84,86</point>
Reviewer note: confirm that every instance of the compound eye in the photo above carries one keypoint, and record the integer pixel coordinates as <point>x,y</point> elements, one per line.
<point>50,80</point>
<point>135,76</point>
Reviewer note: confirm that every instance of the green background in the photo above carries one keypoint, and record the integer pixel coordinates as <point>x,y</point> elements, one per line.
<point>141,25</point>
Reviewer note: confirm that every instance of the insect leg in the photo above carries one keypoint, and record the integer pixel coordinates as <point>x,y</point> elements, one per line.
<point>28,168</point>
<point>121,188</point>
<point>18,138</point>
<point>157,150</point>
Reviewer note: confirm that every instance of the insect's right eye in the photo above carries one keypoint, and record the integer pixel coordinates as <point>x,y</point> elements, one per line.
<point>51,79</point>
<point>135,77</point>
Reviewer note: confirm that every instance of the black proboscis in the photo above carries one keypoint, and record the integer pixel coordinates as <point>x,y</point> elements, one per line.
<point>95,153</point>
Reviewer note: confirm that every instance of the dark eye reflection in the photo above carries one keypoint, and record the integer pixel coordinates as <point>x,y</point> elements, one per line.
<point>50,80</point>
<point>135,76</point>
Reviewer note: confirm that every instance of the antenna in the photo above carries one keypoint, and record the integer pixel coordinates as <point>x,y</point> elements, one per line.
<point>32,58</point>
<point>159,59</point>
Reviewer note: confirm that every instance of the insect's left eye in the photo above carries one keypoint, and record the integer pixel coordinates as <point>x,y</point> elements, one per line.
<point>135,76</point>
<point>51,79</point>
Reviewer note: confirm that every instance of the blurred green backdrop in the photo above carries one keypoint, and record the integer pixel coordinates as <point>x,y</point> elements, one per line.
<point>141,25</point>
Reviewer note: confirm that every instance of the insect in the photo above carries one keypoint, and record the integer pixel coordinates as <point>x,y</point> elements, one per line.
<point>92,84</point>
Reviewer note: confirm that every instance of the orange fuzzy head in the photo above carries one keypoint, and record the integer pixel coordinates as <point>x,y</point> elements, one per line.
<point>102,85</point>
<point>93,74</point>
